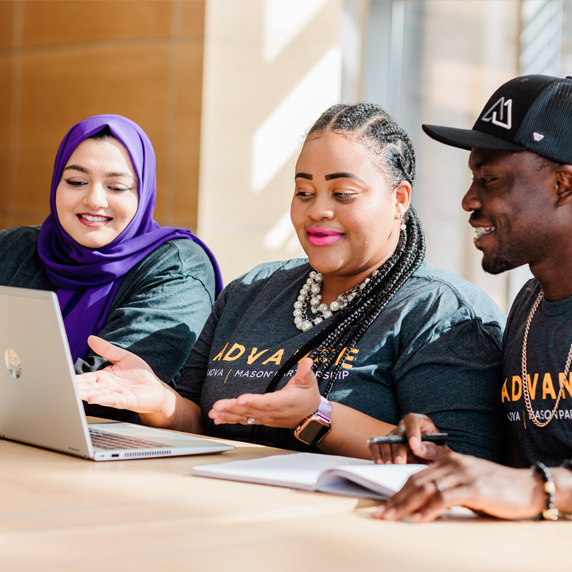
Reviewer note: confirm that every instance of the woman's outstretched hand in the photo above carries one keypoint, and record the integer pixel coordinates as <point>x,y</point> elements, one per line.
<point>285,408</point>
<point>129,383</point>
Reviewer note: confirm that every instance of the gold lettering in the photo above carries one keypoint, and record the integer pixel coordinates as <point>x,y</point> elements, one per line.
<point>276,358</point>
<point>230,357</point>
<point>516,381</point>
<point>567,385</point>
<point>548,387</point>
<point>219,355</point>
<point>504,392</point>
<point>532,388</point>
<point>350,358</point>
<point>254,356</point>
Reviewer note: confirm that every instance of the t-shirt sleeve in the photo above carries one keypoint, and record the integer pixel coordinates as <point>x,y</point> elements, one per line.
<point>454,375</point>
<point>160,309</point>
<point>195,369</point>
<point>21,265</point>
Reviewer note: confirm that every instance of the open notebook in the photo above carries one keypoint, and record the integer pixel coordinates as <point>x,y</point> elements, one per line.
<point>315,472</point>
<point>39,403</point>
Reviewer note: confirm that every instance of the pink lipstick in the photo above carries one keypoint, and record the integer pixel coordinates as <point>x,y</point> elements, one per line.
<point>319,236</point>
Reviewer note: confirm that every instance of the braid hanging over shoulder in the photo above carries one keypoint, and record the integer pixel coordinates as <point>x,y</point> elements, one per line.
<point>373,127</point>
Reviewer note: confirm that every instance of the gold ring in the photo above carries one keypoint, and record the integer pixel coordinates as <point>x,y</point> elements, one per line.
<point>250,420</point>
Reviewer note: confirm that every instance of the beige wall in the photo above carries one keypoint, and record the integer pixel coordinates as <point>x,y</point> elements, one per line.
<point>471,48</point>
<point>268,76</point>
<point>62,61</point>
<point>271,68</point>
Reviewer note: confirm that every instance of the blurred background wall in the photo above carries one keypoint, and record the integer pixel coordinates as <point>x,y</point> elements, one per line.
<point>227,88</point>
<point>62,61</point>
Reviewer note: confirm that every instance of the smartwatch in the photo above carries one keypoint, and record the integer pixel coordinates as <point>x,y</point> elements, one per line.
<point>316,426</point>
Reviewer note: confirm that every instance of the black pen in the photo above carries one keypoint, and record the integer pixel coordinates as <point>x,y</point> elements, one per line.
<point>438,438</point>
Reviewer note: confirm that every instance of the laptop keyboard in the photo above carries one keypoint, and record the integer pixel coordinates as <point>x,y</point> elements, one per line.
<point>109,441</point>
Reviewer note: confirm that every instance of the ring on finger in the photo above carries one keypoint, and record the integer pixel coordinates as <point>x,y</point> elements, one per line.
<point>250,420</point>
<point>440,485</point>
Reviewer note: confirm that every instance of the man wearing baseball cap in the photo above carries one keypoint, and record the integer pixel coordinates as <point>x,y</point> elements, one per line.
<point>520,205</point>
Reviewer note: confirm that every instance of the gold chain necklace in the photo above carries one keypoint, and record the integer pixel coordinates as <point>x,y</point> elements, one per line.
<point>525,375</point>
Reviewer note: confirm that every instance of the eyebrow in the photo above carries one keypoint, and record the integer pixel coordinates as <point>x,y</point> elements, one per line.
<point>87,172</point>
<point>482,163</point>
<point>330,177</point>
<point>343,176</point>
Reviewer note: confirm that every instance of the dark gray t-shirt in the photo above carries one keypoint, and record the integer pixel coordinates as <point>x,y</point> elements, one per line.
<point>549,340</point>
<point>435,349</point>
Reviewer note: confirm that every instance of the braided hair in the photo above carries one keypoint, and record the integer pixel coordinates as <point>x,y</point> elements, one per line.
<point>373,127</point>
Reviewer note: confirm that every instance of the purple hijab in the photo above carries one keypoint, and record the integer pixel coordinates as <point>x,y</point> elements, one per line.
<point>88,279</point>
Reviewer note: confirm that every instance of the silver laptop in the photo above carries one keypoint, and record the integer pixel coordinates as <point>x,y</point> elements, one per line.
<point>39,403</point>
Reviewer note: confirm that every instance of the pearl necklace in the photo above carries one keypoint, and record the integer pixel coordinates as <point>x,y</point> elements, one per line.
<point>311,292</point>
<point>525,374</point>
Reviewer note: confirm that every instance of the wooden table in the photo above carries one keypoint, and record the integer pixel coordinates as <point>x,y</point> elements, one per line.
<point>62,513</point>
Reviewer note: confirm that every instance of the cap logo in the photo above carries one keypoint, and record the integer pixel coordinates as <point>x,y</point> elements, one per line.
<point>500,114</point>
<point>538,136</point>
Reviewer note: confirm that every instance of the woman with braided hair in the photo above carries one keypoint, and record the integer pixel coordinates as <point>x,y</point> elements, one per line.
<point>326,352</point>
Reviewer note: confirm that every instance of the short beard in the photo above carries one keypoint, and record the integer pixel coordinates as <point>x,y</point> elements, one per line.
<point>497,265</point>
<point>507,259</point>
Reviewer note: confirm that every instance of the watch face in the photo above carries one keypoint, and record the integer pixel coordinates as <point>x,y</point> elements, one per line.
<point>313,432</point>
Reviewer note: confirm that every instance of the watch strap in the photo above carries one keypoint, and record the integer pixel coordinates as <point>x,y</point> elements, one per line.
<point>325,410</point>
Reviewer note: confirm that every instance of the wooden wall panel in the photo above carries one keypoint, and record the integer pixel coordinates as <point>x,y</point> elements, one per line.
<point>6,22</point>
<point>60,89</point>
<point>6,39</point>
<point>5,148</point>
<point>138,58</point>
<point>49,22</point>
<point>192,18</point>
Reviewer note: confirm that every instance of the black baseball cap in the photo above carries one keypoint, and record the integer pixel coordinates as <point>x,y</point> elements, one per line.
<point>528,113</point>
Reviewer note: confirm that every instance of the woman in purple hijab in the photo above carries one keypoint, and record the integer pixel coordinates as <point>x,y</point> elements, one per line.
<point>116,272</point>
